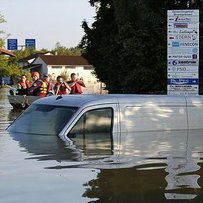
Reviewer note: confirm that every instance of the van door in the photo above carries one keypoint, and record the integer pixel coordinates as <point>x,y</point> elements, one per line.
<point>95,130</point>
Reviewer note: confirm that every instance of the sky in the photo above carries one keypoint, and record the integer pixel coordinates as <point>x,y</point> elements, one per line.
<point>46,21</point>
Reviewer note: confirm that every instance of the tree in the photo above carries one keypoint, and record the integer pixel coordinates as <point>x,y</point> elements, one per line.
<point>102,45</point>
<point>62,50</point>
<point>122,37</point>
<point>2,20</point>
<point>3,70</point>
<point>127,45</point>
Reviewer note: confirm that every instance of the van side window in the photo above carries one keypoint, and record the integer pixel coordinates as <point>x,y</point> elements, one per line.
<point>94,121</point>
<point>94,128</point>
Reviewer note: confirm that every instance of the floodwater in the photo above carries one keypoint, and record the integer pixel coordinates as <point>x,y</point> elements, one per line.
<point>43,169</point>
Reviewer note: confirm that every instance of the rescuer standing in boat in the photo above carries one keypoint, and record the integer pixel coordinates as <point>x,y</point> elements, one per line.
<point>75,84</point>
<point>38,88</point>
<point>61,87</point>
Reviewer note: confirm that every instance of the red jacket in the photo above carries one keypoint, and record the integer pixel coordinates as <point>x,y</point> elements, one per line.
<point>24,85</point>
<point>76,88</point>
<point>23,88</point>
<point>60,88</point>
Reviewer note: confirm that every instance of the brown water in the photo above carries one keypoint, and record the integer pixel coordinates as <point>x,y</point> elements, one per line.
<point>43,170</point>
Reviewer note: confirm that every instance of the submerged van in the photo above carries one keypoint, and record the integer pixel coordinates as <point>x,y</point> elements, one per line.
<point>146,125</point>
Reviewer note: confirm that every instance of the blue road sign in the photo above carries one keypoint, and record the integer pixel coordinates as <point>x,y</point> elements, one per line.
<point>30,43</point>
<point>12,44</point>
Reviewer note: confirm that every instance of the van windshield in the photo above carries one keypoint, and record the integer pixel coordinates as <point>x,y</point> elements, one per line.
<point>43,119</point>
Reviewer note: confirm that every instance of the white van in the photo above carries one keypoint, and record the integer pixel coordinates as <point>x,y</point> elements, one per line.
<point>144,125</point>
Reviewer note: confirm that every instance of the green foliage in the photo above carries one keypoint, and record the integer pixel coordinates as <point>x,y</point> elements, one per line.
<point>19,55</point>
<point>102,46</point>
<point>127,45</point>
<point>126,48</point>
<point>62,50</point>
<point>7,69</point>
<point>3,72</point>
<point>2,20</point>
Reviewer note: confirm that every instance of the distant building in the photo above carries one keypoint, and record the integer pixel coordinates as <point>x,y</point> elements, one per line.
<point>6,52</point>
<point>59,65</point>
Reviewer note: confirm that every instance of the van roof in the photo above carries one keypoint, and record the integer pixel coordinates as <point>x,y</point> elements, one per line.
<point>95,99</point>
<point>76,100</point>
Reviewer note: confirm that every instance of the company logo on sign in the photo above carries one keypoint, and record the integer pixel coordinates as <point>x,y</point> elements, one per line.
<point>183,62</point>
<point>175,44</point>
<point>185,19</point>
<point>185,69</point>
<point>181,56</point>
<point>174,63</point>
<point>182,75</point>
<point>181,81</point>
<point>180,25</point>
<point>177,69</point>
<point>189,31</point>
<point>181,31</point>
<point>183,87</point>
<point>189,44</point>
<point>186,37</point>
<point>184,44</point>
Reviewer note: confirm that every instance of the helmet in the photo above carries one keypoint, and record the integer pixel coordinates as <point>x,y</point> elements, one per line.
<point>35,74</point>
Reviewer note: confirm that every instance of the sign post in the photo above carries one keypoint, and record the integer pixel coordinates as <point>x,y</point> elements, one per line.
<point>183,52</point>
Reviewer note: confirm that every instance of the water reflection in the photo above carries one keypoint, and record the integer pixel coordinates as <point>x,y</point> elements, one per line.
<point>136,185</point>
<point>84,153</point>
<point>174,176</point>
<point>44,147</point>
<point>182,174</point>
<point>14,113</point>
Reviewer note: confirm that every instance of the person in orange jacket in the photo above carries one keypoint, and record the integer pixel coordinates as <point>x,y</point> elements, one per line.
<point>38,88</point>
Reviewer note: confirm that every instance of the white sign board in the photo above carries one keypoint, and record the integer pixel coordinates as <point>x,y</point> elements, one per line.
<point>183,52</point>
